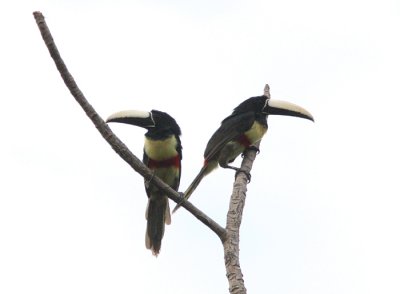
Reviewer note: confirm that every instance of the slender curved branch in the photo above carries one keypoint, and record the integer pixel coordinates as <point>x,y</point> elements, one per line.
<point>111,138</point>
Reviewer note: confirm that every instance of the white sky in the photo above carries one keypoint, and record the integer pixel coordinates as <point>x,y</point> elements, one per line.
<point>322,212</point>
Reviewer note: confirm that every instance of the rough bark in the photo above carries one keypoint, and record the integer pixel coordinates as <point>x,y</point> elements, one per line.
<point>234,220</point>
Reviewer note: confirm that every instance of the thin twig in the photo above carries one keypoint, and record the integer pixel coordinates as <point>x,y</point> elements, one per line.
<point>111,138</point>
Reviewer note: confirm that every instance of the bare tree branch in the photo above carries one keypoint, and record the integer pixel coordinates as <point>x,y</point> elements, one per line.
<point>111,138</point>
<point>229,236</point>
<point>234,220</point>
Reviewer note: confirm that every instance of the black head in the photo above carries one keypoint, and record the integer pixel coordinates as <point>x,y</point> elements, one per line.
<point>164,123</point>
<point>253,104</point>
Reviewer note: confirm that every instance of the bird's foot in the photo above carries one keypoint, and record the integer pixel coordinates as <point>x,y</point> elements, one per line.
<point>252,147</point>
<point>182,196</point>
<point>147,182</point>
<point>238,170</point>
<point>255,148</point>
<point>247,174</point>
<point>179,204</point>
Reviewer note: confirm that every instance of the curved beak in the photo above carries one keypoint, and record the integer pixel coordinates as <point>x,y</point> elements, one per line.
<point>278,107</point>
<point>138,118</point>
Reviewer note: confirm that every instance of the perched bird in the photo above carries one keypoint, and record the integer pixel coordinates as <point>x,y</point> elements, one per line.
<point>163,155</point>
<point>239,131</point>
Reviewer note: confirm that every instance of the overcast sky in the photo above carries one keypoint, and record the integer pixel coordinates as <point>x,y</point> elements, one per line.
<point>322,210</point>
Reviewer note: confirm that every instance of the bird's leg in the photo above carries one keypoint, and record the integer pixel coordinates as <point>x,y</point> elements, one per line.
<point>238,170</point>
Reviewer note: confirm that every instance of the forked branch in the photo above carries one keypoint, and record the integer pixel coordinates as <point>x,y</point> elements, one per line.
<point>228,236</point>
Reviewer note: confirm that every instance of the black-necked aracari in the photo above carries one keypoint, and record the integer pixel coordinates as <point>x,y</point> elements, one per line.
<point>162,154</point>
<point>239,131</point>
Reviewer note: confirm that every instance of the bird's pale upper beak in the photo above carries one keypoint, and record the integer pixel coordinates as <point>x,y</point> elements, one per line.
<point>133,117</point>
<point>278,107</point>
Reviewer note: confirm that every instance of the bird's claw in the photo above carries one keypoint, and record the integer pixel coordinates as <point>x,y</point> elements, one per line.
<point>255,148</point>
<point>179,204</point>
<point>252,147</point>
<point>247,174</point>
<point>147,182</point>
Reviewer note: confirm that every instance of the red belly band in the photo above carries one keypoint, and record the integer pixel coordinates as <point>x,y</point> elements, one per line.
<point>170,162</point>
<point>243,140</point>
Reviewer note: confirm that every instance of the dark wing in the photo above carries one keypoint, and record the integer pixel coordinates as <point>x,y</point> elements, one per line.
<point>230,128</point>
<point>146,163</point>
<point>175,186</point>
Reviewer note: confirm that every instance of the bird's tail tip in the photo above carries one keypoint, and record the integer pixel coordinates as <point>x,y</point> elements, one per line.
<point>149,245</point>
<point>157,216</point>
<point>180,203</point>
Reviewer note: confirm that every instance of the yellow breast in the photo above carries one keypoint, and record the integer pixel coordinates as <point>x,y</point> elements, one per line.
<point>161,149</point>
<point>256,132</point>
